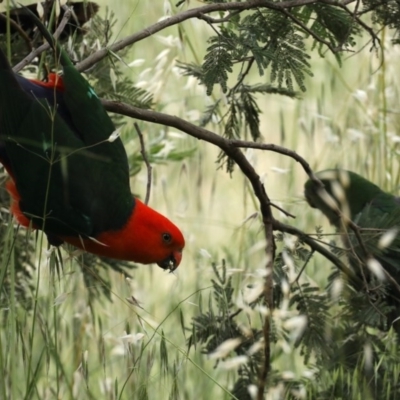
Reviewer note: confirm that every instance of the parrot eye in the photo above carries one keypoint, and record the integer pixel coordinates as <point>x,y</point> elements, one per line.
<point>167,237</point>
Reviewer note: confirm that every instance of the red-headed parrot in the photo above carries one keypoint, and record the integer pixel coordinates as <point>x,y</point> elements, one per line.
<point>377,216</point>
<point>70,175</point>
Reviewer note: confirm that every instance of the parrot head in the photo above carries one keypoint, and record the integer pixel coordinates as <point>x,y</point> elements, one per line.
<point>147,237</point>
<point>344,190</point>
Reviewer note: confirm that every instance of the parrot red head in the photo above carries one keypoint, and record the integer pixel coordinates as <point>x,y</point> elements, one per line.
<point>148,237</point>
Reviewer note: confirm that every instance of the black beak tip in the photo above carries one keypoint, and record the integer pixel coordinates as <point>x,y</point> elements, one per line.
<point>169,264</point>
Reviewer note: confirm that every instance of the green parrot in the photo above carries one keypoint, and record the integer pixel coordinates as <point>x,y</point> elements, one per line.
<point>376,258</point>
<point>69,171</point>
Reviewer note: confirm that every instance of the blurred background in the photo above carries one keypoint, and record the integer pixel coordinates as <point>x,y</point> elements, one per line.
<point>87,348</point>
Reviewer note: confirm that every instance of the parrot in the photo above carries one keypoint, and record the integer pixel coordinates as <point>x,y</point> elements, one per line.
<point>376,214</point>
<point>69,172</point>
<point>83,11</point>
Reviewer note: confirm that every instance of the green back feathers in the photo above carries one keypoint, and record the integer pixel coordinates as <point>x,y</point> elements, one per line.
<point>350,192</point>
<point>27,127</point>
<point>374,211</point>
<point>87,112</point>
<point>67,172</point>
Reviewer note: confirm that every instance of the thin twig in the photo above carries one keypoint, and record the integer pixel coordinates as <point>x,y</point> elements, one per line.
<point>303,267</point>
<point>356,229</point>
<point>361,261</point>
<point>355,16</point>
<point>281,150</point>
<point>316,37</point>
<point>392,280</point>
<point>212,20</point>
<point>243,74</point>
<point>45,46</point>
<point>268,219</point>
<point>287,213</point>
<point>146,161</point>
<point>349,273</point>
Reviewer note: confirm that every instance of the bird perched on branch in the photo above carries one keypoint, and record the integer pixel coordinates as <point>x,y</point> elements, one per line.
<point>373,239</point>
<point>69,169</point>
<point>83,11</point>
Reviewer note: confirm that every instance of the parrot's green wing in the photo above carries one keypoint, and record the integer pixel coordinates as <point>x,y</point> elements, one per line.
<point>376,213</point>
<point>87,113</point>
<point>350,191</point>
<point>67,172</point>
<point>29,129</point>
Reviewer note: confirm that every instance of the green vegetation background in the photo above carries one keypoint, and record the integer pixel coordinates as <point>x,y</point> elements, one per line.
<point>80,349</point>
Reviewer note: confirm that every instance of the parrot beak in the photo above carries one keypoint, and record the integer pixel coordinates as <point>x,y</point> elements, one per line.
<point>172,262</point>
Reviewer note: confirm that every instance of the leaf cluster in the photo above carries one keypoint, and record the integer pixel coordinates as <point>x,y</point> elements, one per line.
<point>345,345</point>
<point>218,323</point>
<point>385,13</point>
<point>261,52</point>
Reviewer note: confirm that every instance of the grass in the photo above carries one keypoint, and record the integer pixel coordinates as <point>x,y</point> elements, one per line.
<point>73,348</point>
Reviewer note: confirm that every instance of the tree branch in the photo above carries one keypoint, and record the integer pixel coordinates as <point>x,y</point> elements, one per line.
<point>231,148</point>
<point>281,150</point>
<point>45,46</point>
<point>204,134</point>
<point>228,146</point>
<point>197,12</point>
<point>265,205</point>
